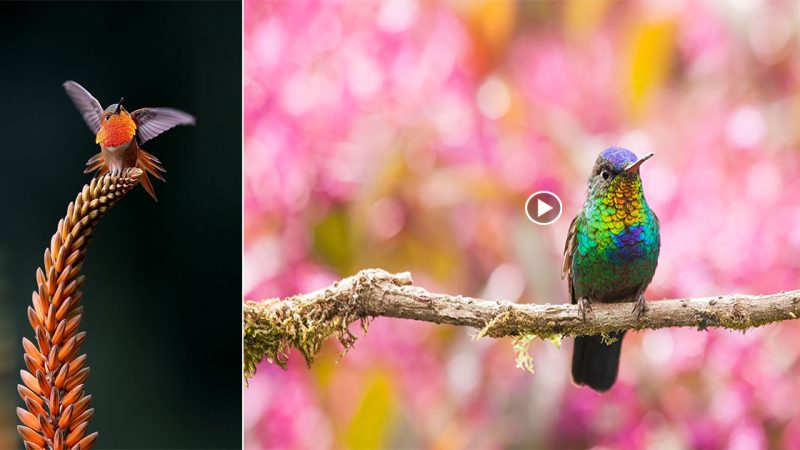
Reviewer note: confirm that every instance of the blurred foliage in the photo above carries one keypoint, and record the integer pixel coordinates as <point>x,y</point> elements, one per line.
<point>369,425</point>
<point>650,61</point>
<point>407,135</point>
<point>333,242</point>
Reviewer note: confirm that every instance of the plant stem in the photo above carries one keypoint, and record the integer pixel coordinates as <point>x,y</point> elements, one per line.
<point>56,414</point>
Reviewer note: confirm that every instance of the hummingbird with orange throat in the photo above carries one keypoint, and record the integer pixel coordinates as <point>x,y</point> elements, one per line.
<point>120,134</point>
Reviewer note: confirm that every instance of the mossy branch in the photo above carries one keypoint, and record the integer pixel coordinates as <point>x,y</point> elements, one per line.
<point>56,414</point>
<point>272,327</point>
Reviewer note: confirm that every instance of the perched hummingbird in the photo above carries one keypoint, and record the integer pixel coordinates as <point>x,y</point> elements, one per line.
<point>610,256</point>
<point>120,134</point>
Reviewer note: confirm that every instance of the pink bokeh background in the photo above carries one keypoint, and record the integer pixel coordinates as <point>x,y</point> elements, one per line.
<point>407,135</point>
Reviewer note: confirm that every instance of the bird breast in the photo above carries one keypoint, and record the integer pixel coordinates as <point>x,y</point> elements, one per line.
<point>116,131</point>
<point>617,250</point>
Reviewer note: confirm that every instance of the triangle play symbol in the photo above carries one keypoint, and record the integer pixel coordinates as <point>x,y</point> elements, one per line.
<point>542,208</point>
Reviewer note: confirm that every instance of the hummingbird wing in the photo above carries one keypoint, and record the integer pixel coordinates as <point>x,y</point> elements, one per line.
<point>569,252</point>
<point>150,122</point>
<point>89,107</point>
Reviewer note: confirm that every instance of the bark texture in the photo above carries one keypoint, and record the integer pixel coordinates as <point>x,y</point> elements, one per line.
<point>304,321</point>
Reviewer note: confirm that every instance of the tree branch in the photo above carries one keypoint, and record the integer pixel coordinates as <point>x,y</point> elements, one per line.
<point>304,321</point>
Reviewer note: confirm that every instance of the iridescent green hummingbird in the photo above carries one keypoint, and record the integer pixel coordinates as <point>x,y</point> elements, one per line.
<point>610,256</point>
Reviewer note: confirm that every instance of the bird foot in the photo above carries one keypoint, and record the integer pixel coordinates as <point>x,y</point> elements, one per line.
<point>583,306</point>
<point>640,307</point>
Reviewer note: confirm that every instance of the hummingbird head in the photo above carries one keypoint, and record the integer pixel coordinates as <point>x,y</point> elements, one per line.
<point>113,109</point>
<point>616,172</point>
<point>117,127</point>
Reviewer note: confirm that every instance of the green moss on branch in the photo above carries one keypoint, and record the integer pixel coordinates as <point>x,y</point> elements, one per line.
<point>272,327</point>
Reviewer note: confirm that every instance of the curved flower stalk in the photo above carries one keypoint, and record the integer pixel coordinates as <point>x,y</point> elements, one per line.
<point>56,414</point>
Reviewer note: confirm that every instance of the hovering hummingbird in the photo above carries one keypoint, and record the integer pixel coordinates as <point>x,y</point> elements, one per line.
<point>610,256</point>
<point>120,134</point>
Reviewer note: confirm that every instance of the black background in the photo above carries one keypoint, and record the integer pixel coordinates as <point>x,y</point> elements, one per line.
<point>163,280</point>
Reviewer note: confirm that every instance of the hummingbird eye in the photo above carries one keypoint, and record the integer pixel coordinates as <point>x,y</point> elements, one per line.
<point>605,174</point>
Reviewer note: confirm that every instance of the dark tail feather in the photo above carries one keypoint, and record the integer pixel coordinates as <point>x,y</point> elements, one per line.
<point>96,164</point>
<point>594,363</point>
<point>151,166</point>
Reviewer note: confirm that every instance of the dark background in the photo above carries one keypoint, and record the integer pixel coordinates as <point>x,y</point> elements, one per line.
<point>163,279</point>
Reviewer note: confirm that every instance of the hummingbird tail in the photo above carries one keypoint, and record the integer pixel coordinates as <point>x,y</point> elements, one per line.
<point>96,163</point>
<point>151,166</point>
<point>595,363</point>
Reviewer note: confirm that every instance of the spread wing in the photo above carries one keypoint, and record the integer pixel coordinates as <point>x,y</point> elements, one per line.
<point>569,251</point>
<point>150,122</point>
<point>89,107</point>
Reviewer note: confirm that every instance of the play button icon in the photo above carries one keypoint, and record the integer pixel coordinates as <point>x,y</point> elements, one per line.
<point>543,208</point>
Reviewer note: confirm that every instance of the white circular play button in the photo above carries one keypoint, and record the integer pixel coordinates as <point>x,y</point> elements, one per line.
<point>543,208</point>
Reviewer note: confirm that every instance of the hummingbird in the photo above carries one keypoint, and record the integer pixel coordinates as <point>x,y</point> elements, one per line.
<point>610,256</point>
<point>120,134</point>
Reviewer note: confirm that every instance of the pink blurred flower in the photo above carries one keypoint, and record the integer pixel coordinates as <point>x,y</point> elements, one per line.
<point>381,134</point>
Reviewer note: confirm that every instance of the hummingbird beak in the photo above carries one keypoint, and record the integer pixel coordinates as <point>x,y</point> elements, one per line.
<point>634,166</point>
<point>119,105</point>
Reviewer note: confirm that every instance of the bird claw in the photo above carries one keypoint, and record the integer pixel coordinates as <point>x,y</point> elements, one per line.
<point>639,307</point>
<point>583,306</point>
